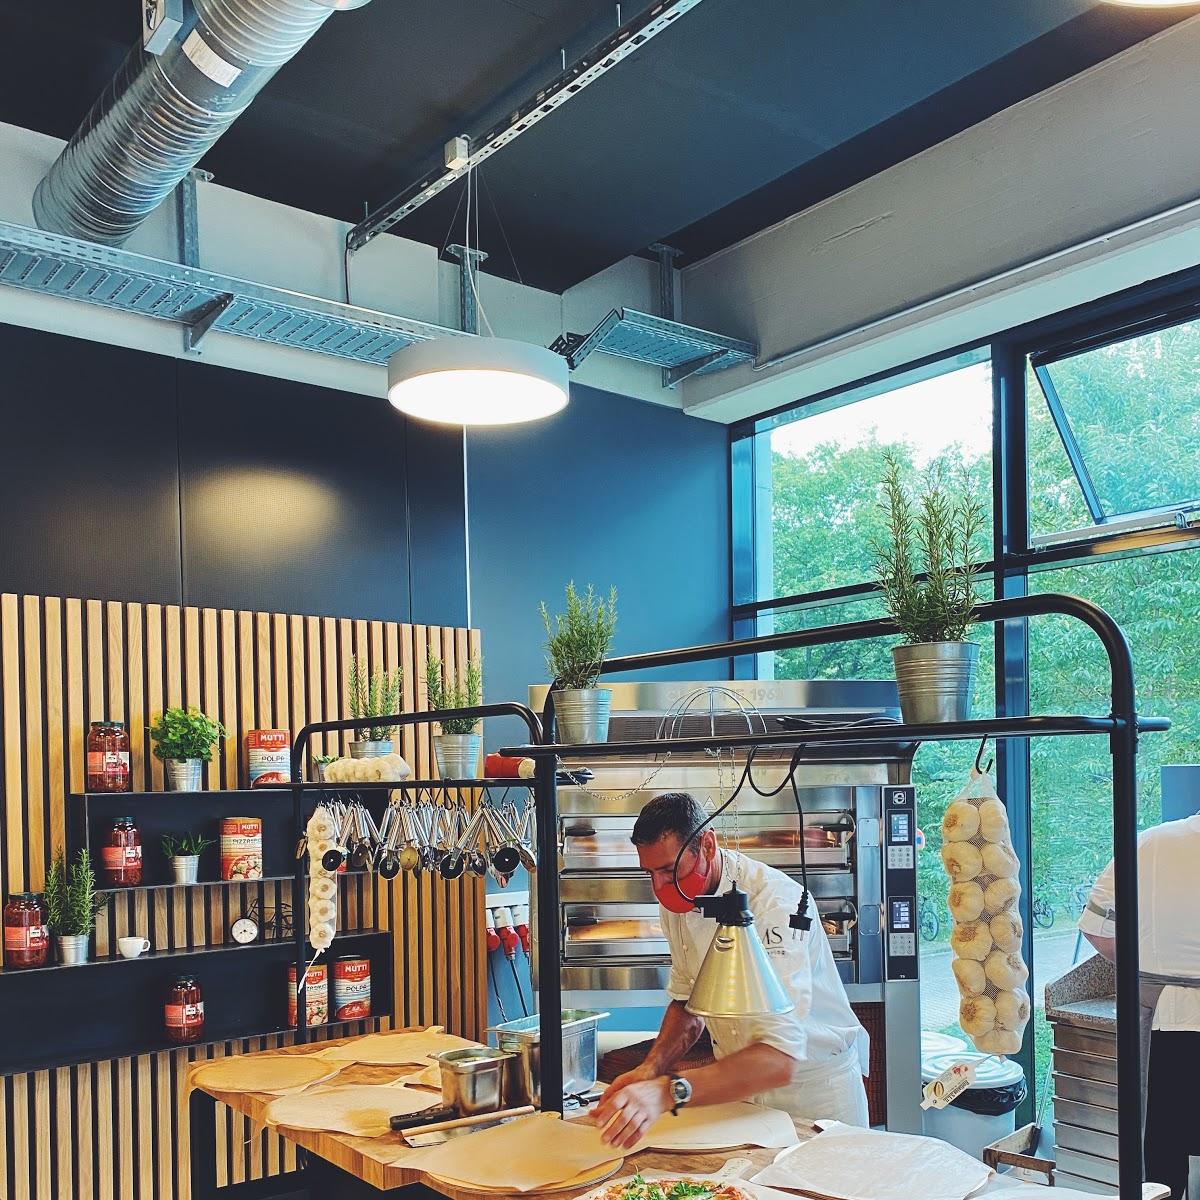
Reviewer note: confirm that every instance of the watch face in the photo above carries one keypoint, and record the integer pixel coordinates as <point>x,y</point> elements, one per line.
<point>244,930</point>
<point>681,1091</point>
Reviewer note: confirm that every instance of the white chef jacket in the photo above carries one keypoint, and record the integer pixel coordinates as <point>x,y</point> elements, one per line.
<point>822,1026</point>
<point>1168,915</point>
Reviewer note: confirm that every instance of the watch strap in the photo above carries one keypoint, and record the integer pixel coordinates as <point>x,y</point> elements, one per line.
<point>676,1101</point>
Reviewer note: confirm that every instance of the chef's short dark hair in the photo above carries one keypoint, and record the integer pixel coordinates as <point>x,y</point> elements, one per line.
<point>669,812</point>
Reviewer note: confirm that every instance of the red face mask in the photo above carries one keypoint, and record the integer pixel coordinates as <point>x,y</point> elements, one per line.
<point>674,897</point>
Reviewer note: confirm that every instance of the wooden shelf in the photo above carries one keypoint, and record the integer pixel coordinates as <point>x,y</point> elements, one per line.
<point>111,1007</point>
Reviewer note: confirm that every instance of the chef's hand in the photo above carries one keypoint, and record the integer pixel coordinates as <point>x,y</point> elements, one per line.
<point>639,1074</point>
<point>625,1112</point>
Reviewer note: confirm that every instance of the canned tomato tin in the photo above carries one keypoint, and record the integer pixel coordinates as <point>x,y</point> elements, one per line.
<point>241,848</point>
<point>351,989</point>
<point>268,756</point>
<point>316,995</point>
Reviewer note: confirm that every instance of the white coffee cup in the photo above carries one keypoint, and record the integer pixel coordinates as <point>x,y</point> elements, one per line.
<point>131,947</point>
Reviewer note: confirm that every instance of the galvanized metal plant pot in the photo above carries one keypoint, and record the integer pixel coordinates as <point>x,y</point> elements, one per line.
<point>370,749</point>
<point>72,948</point>
<point>582,714</point>
<point>936,680</point>
<point>184,774</point>
<point>457,755</point>
<point>186,867</point>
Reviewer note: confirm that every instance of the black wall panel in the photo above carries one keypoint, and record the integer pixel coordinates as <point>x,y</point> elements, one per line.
<point>89,483</point>
<point>135,476</point>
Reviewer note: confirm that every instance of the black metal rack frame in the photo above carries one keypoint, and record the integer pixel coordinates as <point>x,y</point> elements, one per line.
<point>1122,725</point>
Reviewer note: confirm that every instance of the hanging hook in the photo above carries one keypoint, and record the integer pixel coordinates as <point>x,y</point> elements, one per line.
<point>979,767</point>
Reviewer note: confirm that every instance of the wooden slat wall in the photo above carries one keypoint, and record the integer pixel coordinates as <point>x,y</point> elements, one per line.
<point>64,663</point>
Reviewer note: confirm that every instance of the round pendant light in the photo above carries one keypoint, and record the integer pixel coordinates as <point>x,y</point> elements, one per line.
<point>477,381</point>
<point>1156,3</point>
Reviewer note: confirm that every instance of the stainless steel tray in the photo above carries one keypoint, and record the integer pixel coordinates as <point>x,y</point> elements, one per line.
<point>1086,1141</point>
<point>1067,1180</point>
<point>1088,1165</point>
<point>1086,1066</point>
<point>1085,1091</point>
<point>1085,1116</point>
<point>1085,1041</point>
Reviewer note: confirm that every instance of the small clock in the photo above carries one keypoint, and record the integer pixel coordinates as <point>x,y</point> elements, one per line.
<point>245,930</point>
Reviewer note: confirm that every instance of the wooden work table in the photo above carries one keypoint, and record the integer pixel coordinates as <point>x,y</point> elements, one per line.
<point>379,1163</point>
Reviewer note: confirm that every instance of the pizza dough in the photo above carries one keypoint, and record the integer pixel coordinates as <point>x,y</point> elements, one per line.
<point>426,1077</point>
<point>274,1073</point>
<point>592,1175</point>
<point>391,1049</point>
<point>721,1127</point>
<point>528,1154</point>
<point>361,1110</point>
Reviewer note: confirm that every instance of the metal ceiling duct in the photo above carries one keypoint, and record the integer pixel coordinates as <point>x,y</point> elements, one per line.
<point>161,113</point>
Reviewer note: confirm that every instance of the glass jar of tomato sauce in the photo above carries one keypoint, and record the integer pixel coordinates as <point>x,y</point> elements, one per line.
<point>121,859</point>
<point>26,938</point>
<point>183,1013</point>
<point>108,757</point>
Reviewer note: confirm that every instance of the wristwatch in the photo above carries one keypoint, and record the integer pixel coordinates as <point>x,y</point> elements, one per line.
<point>681,1092</point>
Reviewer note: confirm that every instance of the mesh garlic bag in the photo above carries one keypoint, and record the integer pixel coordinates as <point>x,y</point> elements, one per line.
<point>322,884</point>
<point>978,856</point>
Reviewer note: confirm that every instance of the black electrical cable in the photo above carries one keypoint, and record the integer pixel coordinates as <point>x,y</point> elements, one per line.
<point>512,962</point>
<point>496,985</point>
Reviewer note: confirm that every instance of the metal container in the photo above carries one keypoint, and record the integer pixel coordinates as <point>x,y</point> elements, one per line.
<point>184,774</point>
<point>457,755</point>
<point>370,749</point>
<point>186,868</point>
<point>582,714</point>
<point>473,1079</point>
<point>523,1039</point>
<point>936,680</point>
<point>72,948</point>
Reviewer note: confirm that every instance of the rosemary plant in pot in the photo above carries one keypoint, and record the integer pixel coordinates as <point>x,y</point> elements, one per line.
<point>184,853</point>
<point>72,905</point>
<point>184,739</point>
<point>456,748</point>
<point>926,572</point>
<point>372,694</point>
<point>577,642</point>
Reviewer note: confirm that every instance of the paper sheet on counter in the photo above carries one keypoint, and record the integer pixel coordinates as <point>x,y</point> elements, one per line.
<point>277,1075</point>
<point>362,1110</point>
<point>847,1163</point>
<point>720,1127</point>
<point>521,1156</point>
<point>391,1049</point>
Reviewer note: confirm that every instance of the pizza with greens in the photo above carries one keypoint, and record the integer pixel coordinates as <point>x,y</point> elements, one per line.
<point>639,1188</point>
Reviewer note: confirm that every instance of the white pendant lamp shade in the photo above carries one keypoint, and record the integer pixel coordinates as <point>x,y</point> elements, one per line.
<point>1156,3</point>
<point>477,381</point>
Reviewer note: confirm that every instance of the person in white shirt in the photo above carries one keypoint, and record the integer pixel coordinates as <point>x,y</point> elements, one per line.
<point>1169,954</point>
<point>809,1062</point>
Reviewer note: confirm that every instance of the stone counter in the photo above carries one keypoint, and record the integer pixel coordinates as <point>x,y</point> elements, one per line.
<point>1084,996</point>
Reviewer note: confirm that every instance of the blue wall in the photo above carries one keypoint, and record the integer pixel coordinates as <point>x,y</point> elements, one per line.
<point>611,491</point>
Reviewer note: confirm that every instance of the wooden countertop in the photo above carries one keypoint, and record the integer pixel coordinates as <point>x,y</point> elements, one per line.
<point>381,1161</point>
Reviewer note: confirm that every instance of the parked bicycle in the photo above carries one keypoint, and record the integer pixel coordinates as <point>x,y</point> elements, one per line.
<point>1042,912</point>
<point>929,920</point>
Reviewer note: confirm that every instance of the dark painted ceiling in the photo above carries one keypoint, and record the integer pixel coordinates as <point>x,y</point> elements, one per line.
<point>742,113</point>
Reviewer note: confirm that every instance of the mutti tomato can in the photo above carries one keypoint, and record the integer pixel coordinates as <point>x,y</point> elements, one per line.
<point>351,989</point>
<point>241,848</point>
<point>316,995</point>
<point>268,757</point>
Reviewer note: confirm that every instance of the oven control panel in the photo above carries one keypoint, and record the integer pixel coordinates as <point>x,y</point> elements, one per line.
<point>900,881</point>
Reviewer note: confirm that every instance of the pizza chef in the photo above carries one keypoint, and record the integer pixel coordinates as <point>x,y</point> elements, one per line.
<point>809,1062</point>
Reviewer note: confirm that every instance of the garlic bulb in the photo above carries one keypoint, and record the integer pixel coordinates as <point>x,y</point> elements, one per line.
<point>961,822</point>
<point>1005,928</point>
<point>969,975</point>
<point>1005,970</point>
<point>966,901</point>
<point>1012,1009</point>
<point>1001,894</point>
<point>999,860</point>
<point>999,1041</point>
<point>971,940</point>
<point>993,821</point>
<point>961,860</point>
<point>977,1016</point>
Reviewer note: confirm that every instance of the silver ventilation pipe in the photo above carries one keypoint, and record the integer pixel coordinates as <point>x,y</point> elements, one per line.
<point>161,113</point>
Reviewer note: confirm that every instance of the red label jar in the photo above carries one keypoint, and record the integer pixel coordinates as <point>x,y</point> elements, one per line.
<point>121,859</point>
<point>183,1013</point>
<point>26,938</point>
<point>108,757</point>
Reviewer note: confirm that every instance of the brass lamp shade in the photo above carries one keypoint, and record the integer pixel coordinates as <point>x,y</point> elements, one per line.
<point>736,978</point>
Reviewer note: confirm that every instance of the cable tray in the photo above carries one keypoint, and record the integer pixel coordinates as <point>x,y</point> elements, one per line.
<point>681,350</point>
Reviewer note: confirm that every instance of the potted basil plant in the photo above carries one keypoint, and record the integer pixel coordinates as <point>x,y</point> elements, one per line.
<point>72,905</point>
<point>926,568</point>
<point>456,748</point>
<point>184,739</point>
<point>577,642</point>
<point>372,694</point>
<point>184,852</point>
